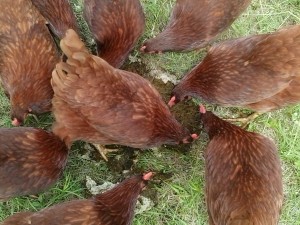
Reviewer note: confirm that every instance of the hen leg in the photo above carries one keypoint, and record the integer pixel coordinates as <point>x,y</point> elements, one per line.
<point>103,151</point>
<point>246,120</point>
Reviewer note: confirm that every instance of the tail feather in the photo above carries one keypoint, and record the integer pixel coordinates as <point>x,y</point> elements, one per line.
<point>59,78</point>
<point>78,55</point>
<point>71,44</point>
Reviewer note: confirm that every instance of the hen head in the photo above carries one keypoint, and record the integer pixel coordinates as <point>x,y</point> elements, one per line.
<point>163,42</point>
<point>117,204</point>
<point>186,137</point>
<point>22,106</point>
<point>177,97</point>
<point>170,131</point>
<point>213,124</point>
<point>149,47</point>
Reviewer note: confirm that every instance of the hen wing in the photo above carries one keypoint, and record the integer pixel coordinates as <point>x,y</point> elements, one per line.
<point>31,160</point>
<point>116,26</point>
<point>113,101</point>
<point>59,14</point>
<point>266,66</point>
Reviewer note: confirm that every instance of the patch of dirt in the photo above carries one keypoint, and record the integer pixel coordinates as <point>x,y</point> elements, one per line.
<point>136,67</point>
<point>122,160</point>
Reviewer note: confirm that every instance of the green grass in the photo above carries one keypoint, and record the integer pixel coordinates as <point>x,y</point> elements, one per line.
<point>179,197</point>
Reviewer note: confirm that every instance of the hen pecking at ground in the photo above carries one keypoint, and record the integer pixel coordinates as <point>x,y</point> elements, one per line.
<point>194,23</point>
<point>114,207</point>
<point>59,15</point>
<point>116,26</point>
<point>27,57</point>
<point>242,173</point>
<point>259,72</point>
<point>98,103</point>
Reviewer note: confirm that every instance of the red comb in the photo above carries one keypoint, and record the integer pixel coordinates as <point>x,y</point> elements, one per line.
<point>202,109</point>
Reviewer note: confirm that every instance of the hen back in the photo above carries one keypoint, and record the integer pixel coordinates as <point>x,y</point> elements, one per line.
<point>59,14</point>
<point>194,23</point>
<point>27,58</point>
<point>260,72</point>
<point>114,207</point>
<point>116,26</point>
<point>98,103</point>
<point>31,160</point>
<point>243,175</point>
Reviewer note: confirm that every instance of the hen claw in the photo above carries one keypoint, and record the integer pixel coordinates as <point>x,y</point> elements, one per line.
<point>246,120</point>
<point>103,151</point>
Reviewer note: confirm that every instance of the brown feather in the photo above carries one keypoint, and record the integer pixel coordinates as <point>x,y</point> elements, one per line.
<point>116,26</point>
<point>260,72</point>
<point>243,175</point>
<point>100,104</point>
<point>194,23</point>
<point>114,207</point>
<point>59,14</point>
<point>31,160</point>
<point>27,57</point>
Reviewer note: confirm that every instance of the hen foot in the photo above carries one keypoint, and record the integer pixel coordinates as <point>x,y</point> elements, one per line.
<point>103,151</point>
<point>246,120</point>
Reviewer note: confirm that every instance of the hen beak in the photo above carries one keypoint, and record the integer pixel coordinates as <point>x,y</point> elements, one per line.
<point>148,176</point>
<point>15,122</point>
<point>172,102</point>
<point>195,136</point>
<point>190,139</point>
<point>202,109</point>
<point>142,49</point>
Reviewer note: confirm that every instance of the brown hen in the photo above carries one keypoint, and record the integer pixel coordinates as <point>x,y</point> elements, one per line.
<point>31,160</point>
<point>59,14</point>
<point>114,207</point>
<point>27,58</point>
<point>116,26</point>
<point>97,103</point>
<point>260,72</point>
<point>194,23</point>
<point>243,175</point>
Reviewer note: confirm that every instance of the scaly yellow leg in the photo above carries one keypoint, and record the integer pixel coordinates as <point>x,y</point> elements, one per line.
<point>246,120</point>
<point>103,151</point>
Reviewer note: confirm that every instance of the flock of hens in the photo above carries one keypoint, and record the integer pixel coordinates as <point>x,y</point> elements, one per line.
<point>95,101</point>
